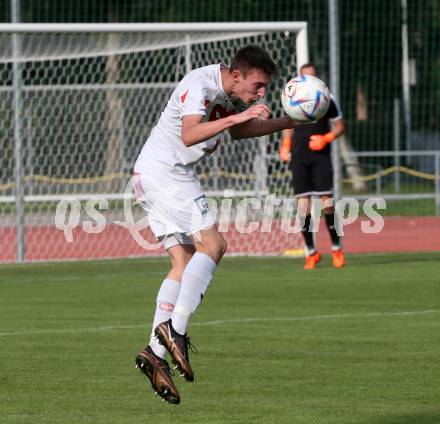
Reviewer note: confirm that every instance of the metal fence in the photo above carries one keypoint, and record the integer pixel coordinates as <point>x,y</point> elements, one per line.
<point>381,58</point>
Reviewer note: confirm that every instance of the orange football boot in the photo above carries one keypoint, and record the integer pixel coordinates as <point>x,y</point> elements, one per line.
<point>312,260</point>
<point>338,258</point>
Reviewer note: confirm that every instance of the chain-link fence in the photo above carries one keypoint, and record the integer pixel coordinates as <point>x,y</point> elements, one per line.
<point>385,66</point>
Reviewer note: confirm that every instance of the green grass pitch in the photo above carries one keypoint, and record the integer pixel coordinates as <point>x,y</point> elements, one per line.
<point>277,344</point>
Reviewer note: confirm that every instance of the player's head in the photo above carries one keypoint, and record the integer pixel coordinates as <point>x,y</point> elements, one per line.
<point>309,69</point>
<point>252,69</point>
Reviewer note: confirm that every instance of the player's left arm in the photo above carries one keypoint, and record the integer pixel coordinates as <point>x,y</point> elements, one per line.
<point>319,141</point>
<point>338,127</point>
<point>260,127</point>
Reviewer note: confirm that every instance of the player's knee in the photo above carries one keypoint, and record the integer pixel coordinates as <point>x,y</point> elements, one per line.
<point>304,206</point>
<point>223,246</point>
<point>216,249</point>
<point>328,206</point>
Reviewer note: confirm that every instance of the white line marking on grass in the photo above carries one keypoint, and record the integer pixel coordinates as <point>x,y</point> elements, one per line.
<point>86,279</point>
<point>220,322</point>
<point>50,279</point>
<point>72,330</point>
<point>317,317</point>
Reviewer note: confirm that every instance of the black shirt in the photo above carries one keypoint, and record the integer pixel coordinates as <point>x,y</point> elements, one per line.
<point>301,136</point>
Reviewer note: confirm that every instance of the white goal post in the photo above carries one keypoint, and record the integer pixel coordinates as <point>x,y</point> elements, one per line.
<point>78,101</point>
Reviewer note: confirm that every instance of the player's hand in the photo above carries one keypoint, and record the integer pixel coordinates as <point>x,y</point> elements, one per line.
<point>318,142</point>
<point>259,111</point>
<point>285,149</point>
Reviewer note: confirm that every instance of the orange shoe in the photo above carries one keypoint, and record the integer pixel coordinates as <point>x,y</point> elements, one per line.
<point>338,258</point>
<point>312,260</point>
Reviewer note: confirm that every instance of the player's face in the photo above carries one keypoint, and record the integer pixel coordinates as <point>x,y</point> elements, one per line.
<point>251,86</point>
<point>309,70</point>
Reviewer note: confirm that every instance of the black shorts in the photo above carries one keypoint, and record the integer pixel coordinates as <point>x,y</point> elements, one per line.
<point>312,177</point>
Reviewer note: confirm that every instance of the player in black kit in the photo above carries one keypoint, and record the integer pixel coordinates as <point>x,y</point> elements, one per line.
<point>309,151</point>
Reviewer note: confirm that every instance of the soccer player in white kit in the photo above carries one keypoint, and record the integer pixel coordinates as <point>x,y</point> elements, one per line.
<point>206,102</point>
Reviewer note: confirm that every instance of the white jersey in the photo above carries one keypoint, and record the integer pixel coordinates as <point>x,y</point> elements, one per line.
<point>199,93</point>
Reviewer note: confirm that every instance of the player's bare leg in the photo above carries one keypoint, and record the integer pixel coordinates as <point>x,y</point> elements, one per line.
<point>179,256</point>
<point>304,210</point>
<point>329,214</point>
<point>211,243</point>
<point>210,247</point>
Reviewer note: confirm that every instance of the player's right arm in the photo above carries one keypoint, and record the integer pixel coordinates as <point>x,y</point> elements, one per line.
<point>194,131</point>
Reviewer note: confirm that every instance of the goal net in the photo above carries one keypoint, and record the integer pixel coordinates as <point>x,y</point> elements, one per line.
<point>77,103</point>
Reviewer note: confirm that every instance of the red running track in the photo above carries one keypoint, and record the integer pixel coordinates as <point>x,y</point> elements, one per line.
<point>47,243</point>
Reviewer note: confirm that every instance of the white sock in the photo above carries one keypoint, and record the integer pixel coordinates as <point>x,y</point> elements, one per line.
<point>195,281</point>
<point>166,299</point>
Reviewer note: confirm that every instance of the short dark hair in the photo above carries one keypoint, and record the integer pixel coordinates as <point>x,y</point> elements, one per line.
<point>310,65</point>
<point>250,57</point>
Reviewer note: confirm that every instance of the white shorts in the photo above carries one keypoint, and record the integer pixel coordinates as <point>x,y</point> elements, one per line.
<point>175,239</point>
<point>175,203</point>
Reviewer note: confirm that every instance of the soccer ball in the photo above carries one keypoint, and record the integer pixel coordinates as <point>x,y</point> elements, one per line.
<point>305,98</point>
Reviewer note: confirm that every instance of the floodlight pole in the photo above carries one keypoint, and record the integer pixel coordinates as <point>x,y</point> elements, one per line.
<point>334,87</point>
<point>17,84</point>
